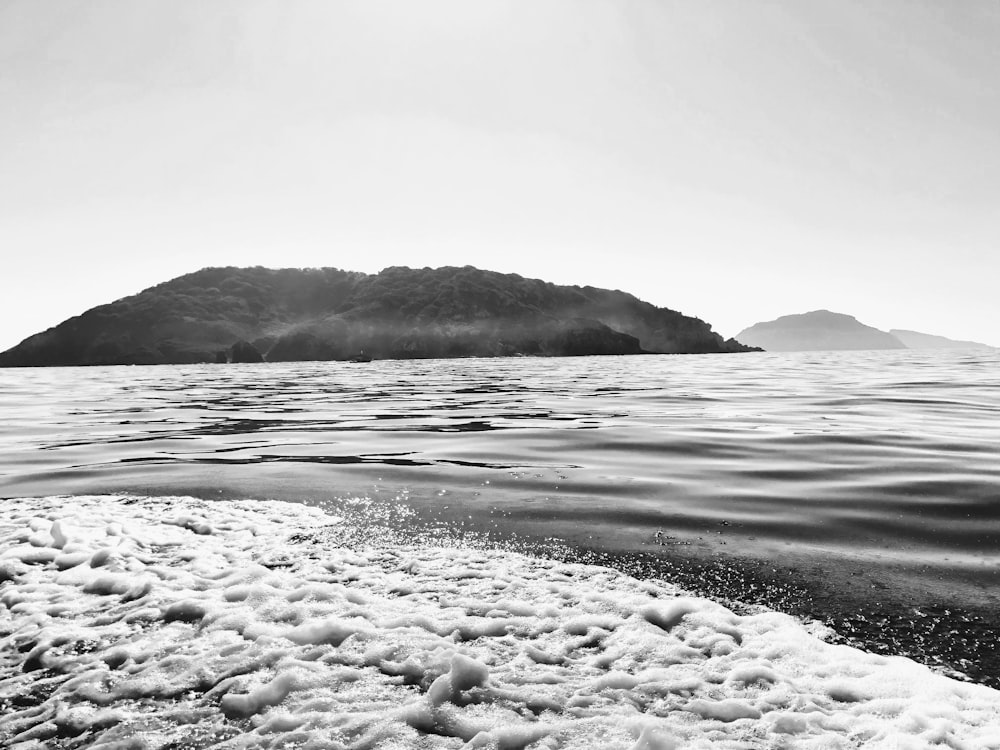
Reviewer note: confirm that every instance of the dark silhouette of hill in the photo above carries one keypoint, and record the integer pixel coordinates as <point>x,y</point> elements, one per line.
<point>816,331</point>
<point>239,314</point>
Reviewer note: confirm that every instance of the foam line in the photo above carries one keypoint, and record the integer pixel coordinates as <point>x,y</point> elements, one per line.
<point>177,622</point>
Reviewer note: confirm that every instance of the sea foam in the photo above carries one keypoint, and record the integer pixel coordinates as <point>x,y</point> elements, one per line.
<point>130,622</point>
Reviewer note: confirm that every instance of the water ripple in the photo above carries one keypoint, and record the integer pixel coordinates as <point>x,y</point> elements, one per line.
<point>880,455</point>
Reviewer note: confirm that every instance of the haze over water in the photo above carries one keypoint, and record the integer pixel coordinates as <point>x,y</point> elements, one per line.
<point>886,459</point>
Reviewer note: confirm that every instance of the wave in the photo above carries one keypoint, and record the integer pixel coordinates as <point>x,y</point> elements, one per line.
<point>173,621</point>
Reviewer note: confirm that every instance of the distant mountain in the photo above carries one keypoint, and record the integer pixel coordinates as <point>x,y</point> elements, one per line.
<point>250,314</point>
<point>816,331</point>
<point>916,340</point>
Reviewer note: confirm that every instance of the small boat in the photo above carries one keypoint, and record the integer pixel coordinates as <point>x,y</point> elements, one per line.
<point>361,357</point>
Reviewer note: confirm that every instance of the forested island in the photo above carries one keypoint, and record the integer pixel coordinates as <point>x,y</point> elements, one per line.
<point>277,315</point>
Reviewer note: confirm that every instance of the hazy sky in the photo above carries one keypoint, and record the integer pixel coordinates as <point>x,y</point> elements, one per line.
<point>731,159</point>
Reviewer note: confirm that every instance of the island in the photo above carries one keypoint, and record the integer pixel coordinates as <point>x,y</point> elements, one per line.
<point>819,330</point>
<point>246,315</point>
<point>918,340</point>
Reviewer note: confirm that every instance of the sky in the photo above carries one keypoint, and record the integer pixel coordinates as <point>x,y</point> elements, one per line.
<point>733,160</point>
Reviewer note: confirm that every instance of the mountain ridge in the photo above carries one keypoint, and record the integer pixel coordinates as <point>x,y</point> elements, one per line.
<point>818,330</point>
<point>215,313</point>
<point>918,340</point>
<point>823,330</point>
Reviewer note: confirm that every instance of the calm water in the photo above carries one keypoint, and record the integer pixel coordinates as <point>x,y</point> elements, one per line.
<point>887,461</point>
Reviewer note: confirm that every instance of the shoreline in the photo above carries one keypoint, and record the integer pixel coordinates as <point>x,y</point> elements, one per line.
<point>880,610</point>
<point>250,623</point>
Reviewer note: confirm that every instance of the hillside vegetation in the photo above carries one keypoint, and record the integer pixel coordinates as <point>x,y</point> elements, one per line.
<point>326,313</point>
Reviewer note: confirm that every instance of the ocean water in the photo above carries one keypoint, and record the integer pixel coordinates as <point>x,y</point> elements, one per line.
<point>860,488</point>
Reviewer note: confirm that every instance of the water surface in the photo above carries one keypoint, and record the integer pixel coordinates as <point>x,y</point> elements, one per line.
<point>878,471</point>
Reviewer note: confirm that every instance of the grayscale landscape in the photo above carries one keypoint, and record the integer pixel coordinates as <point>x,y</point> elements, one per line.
<point>412,374</point>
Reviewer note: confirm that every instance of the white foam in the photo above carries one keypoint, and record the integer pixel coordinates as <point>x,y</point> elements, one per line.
<point>179,622</point>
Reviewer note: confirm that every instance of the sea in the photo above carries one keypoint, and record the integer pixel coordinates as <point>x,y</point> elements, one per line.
<point>858,489</point>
